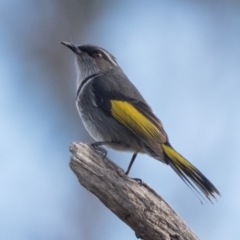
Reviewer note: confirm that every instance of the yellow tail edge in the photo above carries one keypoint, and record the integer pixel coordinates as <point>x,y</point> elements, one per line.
<point>188,173</point>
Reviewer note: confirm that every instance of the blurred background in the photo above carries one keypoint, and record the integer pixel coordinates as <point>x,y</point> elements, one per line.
<point>183,56</point>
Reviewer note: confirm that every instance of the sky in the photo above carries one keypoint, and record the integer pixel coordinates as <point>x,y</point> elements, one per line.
<point>184,59</point>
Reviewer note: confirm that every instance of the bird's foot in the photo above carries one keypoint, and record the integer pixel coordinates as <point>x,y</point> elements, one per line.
<point>100,150</point>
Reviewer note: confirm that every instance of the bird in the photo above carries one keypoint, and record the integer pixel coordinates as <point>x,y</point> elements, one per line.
<point>117,116</point>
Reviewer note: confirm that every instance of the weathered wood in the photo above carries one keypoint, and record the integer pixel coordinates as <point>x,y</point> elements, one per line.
<point>136,204</point>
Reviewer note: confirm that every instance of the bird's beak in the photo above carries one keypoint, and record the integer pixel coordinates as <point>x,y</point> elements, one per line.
<point>71,46</point>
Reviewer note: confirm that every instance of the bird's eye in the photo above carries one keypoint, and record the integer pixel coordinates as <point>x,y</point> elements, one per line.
<point>97,55</point>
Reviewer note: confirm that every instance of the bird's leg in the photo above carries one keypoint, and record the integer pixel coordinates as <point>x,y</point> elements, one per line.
<point>131,163</point>
<point>103,151</point>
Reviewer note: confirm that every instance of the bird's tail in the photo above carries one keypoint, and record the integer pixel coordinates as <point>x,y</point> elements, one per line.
<point>186,171</point>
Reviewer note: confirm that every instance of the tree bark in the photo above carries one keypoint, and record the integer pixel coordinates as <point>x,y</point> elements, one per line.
<point>135,203</point>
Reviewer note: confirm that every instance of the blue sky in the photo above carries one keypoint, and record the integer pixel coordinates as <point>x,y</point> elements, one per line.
<point>182,56</point>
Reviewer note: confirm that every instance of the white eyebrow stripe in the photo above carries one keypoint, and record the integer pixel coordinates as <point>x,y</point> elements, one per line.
<point>109,57</point>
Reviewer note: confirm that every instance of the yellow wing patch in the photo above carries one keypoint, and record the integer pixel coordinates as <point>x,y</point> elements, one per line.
<point>135,121</point>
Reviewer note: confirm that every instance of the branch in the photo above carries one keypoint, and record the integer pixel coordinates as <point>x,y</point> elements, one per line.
<point>134,203</point>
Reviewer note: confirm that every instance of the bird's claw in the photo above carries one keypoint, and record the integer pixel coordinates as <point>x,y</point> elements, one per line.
<point>100,150</point>
<point>138,180</point>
